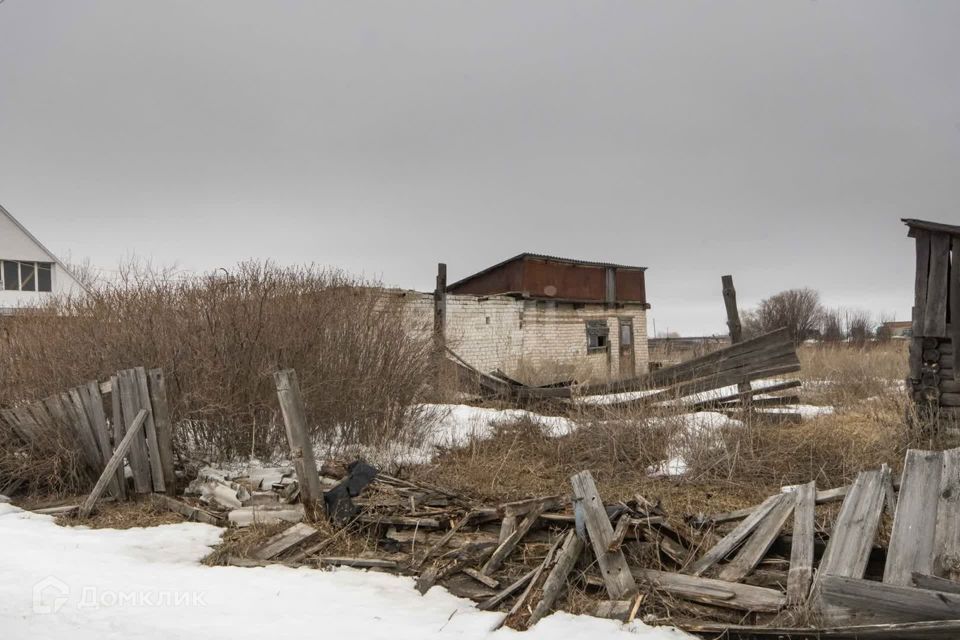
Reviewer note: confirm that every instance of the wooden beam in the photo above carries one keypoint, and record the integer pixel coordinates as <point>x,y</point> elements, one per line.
<point>921,277</point>
<point>153,445</point>
<point>129,404</point>
<point>729,595</point>
<point>947,537</point>
<point>132,432</point>
<point>298,437</point>
<point>283,541</point>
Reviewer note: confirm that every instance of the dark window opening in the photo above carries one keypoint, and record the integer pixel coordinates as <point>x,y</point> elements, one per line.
<point>11,276</point>
<point>598,336</point>
<point>44,276</point>
<point>28,276</point>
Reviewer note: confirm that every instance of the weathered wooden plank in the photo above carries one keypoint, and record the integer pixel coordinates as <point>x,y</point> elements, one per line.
<point>756,547</point>
<point>129,407</point>
<point>193,514</point>
<point>733,539</point>
<point>150,431</point>
<point>933,583</point>
<point>730,595</point>
<point>801,549</point>
<point>505,548</point>
<point>133,431</point>
<point>921,277</point>
<point>946,545</point>
<point>507,591</point>
<point>954,288</point>
<point>298,437</point>
<point>164,427</point>
<point>285,540</point>
<point>854,531</point>
<point>76,421</point>
<point>93,406</point>
<point>557,579</point>
<point>935,312</point>
<point>914,527</point>
<point>889,602</point>
<point>936,630</point>
<point>613,565</point>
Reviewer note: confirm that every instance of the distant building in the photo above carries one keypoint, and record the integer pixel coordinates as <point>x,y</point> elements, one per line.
<point>665,352</point>
<point>29,272</point>
<point>542,319</point>
<point>898,329</point>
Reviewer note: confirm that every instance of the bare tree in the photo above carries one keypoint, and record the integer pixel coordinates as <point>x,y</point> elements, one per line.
<point>831,329</point>
<point>798,310</point>
<point>859,326</point>
<point>883,332</point>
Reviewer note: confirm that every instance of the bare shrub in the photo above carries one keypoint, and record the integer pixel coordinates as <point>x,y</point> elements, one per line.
<point>219,337</point>
<point>845,374</point>
<point>798,310</point>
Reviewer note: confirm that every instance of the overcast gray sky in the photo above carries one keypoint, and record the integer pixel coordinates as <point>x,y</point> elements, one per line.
<point>777,141</point>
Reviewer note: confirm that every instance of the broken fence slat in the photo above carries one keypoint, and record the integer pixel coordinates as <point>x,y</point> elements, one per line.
<point>557,579</point>
<point>613,565</point>
<point>733,539</point>
<point>802,545</point>
<point>756,547</point>
<point>150,431</point>
<point>506,547</point>
<point>914,526</point>
<point>947,537</point>
<point>129,397</point>
<point>285,540</point>
<point>132,432</point>
<point>193,514</point>
<point>93,404</point>
<point>164,427</point>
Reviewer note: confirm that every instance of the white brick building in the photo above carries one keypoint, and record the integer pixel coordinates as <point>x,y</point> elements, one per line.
<point>542,319</point>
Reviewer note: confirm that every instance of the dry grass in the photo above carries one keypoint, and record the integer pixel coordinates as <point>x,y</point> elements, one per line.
<point>124,515</point>
<point>841,374</point>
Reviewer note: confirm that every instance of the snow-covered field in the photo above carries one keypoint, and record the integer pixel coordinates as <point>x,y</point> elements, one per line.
<point>83,584</point>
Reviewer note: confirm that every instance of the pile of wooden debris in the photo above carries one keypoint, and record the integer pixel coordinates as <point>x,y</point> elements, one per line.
<point>762,572</point>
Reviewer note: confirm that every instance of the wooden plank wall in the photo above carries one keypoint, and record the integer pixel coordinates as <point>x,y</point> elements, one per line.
<point>933,377</point>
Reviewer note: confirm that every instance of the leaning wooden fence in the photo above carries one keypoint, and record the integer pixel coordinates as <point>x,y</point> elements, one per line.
<point>80,415</point>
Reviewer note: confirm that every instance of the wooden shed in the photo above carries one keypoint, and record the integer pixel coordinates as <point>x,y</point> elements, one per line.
<point>936,315</point>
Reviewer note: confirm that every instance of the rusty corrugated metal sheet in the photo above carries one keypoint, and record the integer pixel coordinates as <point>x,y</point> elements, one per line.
<point>552,278</point>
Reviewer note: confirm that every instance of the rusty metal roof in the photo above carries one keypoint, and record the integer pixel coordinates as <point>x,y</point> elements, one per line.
<point>526,255</point>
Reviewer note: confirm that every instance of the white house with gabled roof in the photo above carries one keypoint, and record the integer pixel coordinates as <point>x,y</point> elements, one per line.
<point>29,272</point>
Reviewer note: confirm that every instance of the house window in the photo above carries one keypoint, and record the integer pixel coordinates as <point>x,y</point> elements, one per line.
<point>18,275</point>
<point>598,336</point>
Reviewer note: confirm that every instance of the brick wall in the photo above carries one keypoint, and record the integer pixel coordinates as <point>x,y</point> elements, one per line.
<point>533,341</point>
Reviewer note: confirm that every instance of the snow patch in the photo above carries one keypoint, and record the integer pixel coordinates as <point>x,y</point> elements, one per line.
<point>145,584</point>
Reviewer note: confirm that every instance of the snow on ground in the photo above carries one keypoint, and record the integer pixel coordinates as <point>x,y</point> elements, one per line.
<point>700,427</point>
<point>806,411</point>
<point>85,584</point>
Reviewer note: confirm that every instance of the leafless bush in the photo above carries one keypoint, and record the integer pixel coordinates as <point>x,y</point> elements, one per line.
<point>798,310</point>
<point>219,337</point>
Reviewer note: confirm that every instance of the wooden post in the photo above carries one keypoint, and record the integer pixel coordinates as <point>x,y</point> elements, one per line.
<point>301,449</point>
<point>110,470</point>
<point>736,329</point>
<point>440,306</point>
